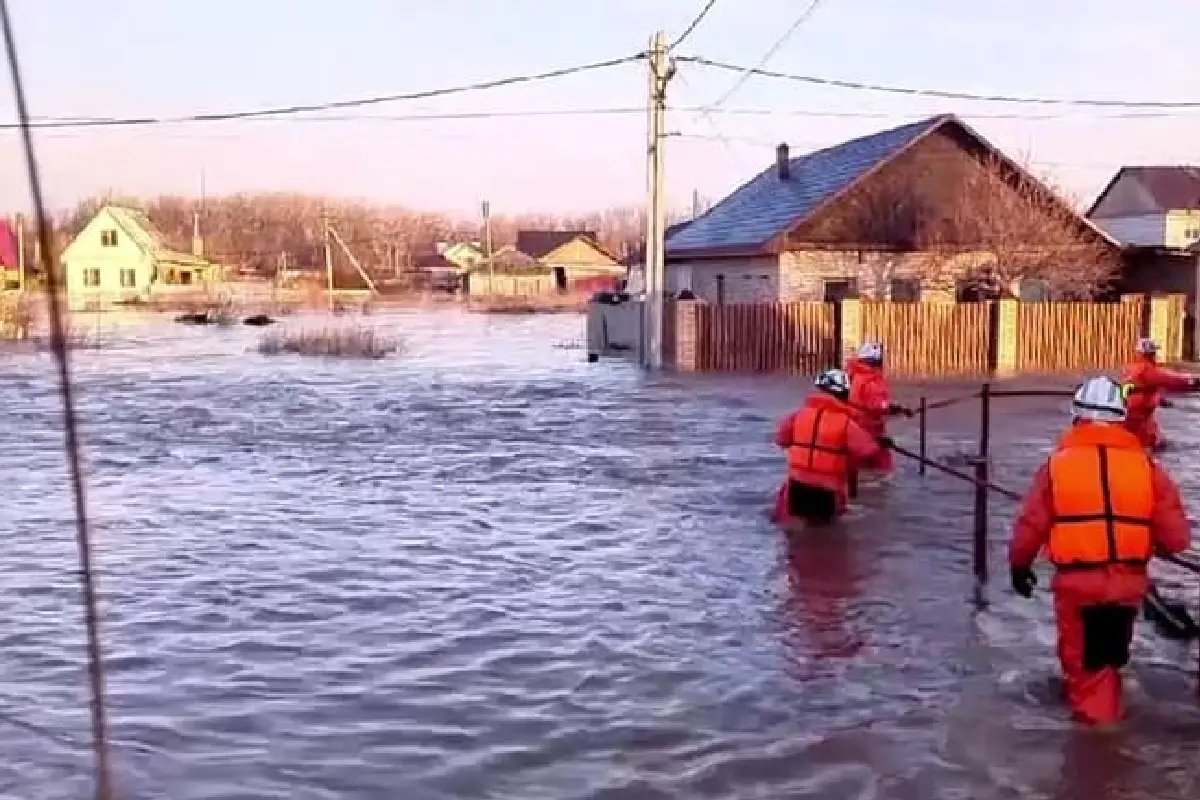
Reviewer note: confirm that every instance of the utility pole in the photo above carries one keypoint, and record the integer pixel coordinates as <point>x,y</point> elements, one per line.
<point>661,71</point>
<point>328,259</point>
<point>486,207</point>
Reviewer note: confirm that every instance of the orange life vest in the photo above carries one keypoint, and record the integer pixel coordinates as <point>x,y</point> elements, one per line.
<point>819,435</point>
<point>1103,489</point>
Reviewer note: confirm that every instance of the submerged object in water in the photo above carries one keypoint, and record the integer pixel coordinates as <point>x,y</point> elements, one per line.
<point>1170,619</point>
<point>195,318</point>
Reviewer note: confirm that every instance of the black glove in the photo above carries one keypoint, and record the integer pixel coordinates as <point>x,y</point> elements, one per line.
<point>1023,581</point>
<point>895,410</point>
<point>887,442</point>
<point>1165,403</point>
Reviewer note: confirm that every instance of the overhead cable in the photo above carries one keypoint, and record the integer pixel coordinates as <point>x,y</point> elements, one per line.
<point>943,94</point>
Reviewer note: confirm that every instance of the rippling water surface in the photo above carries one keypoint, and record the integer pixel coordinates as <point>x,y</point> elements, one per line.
<point>490,570</point>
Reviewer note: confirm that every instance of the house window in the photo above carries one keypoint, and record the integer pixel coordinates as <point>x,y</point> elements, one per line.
<point>720,290</point>
<point>1035,291</point>
<point>185,278</point>
<point>108,238</point>
<point>905,290</point>
<point>836,291</point>
<point>1192,233</point>
<point>128,278</point>
<point>91,277</point>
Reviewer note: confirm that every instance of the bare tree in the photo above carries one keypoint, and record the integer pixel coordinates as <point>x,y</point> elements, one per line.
<point>1030,232</point>
<point>252,231</point>
<point>986,219</point>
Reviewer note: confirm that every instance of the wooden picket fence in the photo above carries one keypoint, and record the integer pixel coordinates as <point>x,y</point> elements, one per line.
<point>943,339</point>
<point>796,338</point>
<point>1076,337</point>
<point>931,339</point>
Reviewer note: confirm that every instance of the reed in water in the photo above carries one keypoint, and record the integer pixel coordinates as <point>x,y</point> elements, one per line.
<point>353,341</point>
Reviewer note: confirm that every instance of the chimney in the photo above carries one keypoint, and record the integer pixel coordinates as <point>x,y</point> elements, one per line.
<point>782,161</point>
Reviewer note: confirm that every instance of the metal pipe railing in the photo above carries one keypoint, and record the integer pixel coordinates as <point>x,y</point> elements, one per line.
<point>981,479</point>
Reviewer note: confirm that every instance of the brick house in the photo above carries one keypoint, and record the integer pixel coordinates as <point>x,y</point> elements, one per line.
<point>789,235</point>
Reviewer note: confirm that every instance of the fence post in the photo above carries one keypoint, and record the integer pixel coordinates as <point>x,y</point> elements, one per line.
<point>1162,308</point>
<point>981,497</point>
<point>923,423</point>
<point>850,332</point>
<point>1005,318</point>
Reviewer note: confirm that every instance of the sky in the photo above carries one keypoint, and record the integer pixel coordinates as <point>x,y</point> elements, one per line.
<point>150,58</point>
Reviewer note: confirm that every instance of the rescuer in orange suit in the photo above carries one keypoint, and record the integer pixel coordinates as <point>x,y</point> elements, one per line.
<point>824,443</point>
<point>1100,508</point>
<point>871,398</point>
<point>1145,382</point>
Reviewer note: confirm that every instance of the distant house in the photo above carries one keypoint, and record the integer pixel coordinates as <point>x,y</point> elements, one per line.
<point>462,255</point>
<point>435,271</point>
<point>797,230</point>
<point>511,273</point>
<point>10,257</point>
<point>120,257</point>
<point>1154,211</point>
<point>1151,207</point>
<point>576,259</point>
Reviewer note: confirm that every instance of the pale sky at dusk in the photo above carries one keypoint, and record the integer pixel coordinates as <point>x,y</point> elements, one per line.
<point>168,58</point>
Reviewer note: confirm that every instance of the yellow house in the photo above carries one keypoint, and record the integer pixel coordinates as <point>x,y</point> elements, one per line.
<point>119,257</point>
<point>463,255</point>
<point>576,259</point>
<point>511,274</point>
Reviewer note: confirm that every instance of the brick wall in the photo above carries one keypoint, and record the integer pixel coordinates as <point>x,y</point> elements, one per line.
<point>803,273</point>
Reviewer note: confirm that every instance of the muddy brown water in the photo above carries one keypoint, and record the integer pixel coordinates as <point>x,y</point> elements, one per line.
<point>490,570</point>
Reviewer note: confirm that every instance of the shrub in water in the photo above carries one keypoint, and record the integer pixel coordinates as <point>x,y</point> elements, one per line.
<point>357,341</point>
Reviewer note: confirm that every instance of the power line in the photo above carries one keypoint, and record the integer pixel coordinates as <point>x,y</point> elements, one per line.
<point>762,62</point>
<point>695,23</point>
<point>287,111</point>
<point>56,124</point>
<point>942,94</point>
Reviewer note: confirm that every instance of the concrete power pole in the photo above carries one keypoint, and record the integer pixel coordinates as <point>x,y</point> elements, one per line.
<point>486,208</point>
<point>661,71</point>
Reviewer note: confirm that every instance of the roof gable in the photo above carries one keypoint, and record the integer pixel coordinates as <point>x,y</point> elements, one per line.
<point>768,206</point>
<point>538,244</point>
<point>1161,189</point>
<point>756,217</point>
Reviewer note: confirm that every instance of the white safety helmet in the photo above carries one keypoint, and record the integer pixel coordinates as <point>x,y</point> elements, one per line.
<point>1099,399</point>
<point>1147,346</point>
<point>834,381</point>
<point>870,351</point>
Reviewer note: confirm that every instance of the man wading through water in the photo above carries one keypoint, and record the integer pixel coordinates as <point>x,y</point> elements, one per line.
<point>825,443</point>
<point>1101,509</point>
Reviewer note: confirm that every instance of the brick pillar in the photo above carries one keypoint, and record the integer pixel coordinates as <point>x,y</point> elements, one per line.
<point>1007,336</point>
<point>687,318</point>
<point>851,333</point>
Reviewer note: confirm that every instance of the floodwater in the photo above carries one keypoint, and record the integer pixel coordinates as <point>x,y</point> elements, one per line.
<point>490,570</point>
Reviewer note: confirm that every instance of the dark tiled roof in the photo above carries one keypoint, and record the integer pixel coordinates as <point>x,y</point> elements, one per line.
<point>432,260</point>
<point>767,206</point>
<point>1172,188</point>
<point>537,244</point>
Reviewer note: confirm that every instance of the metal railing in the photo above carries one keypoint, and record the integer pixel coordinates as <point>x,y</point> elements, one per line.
<point>980,477</point>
